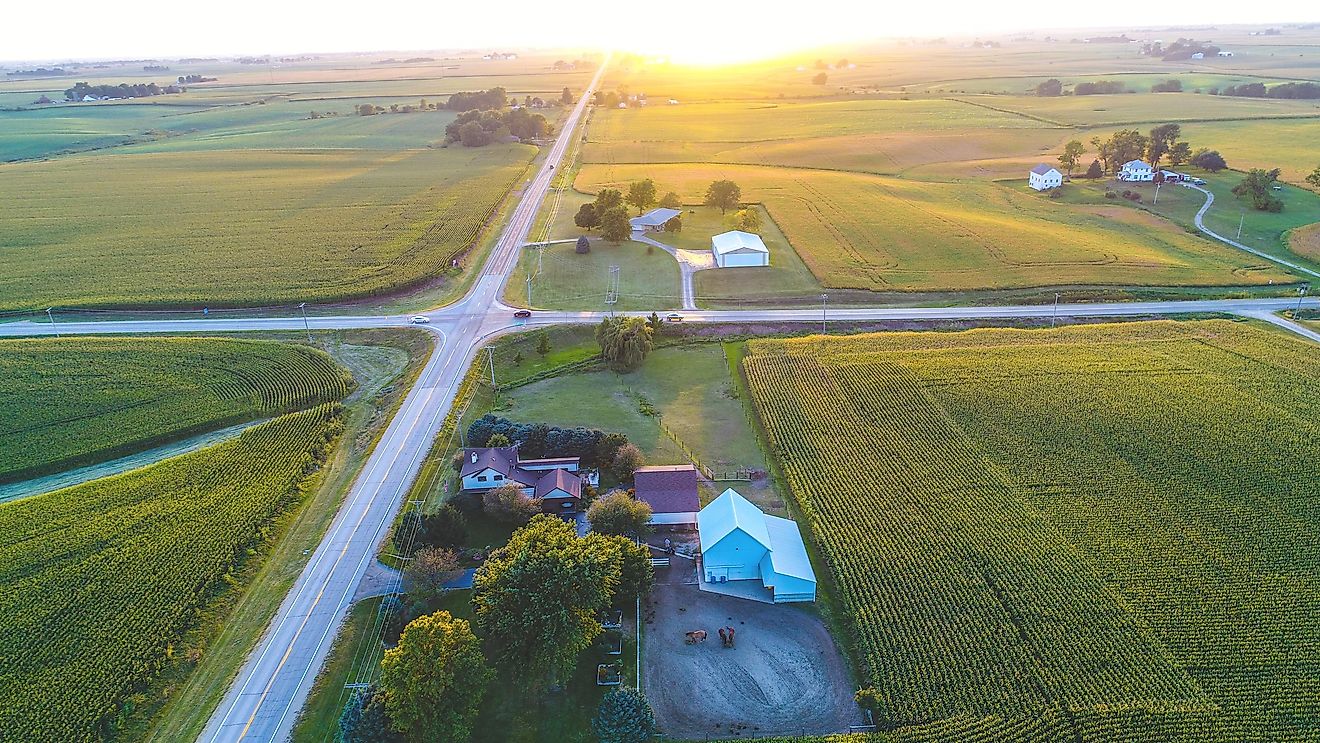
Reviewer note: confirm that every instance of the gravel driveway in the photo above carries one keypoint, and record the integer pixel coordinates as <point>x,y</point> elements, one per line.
<point>786,676</point>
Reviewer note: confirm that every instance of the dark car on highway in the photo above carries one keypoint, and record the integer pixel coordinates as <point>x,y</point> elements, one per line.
<point>522,314</point>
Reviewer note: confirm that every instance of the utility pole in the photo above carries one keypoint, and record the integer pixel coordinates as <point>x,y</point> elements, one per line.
<point>51,317</point>
<point>1156,200</point>
<point>529,290</point>
<point>1300,293</point>
<point>490,357</point>
<point>823,297</point>
<point>1241,219</point>
<point>612,290</point>
<point>1055,317</point>
<point>308,328</point>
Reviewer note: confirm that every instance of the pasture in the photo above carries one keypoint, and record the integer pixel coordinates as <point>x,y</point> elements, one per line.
<point>883,234</point>
<point>565,280</point>
<point>76,401</point>
<point>100,580</point>
<point>216,228</point>
<point>1093,533</point>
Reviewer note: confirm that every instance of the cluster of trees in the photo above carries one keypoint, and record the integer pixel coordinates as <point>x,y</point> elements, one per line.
<point>1050,88</point>
<point>186,79</point>
<point>624,342</point>
<point>819,78</point>
<point>479,128</point>
<point>619,512</point>
<point>155,68</point>
<point>607,212</point>
<point>1099,87</point>
<point>1290,91</point>
<point>609,209</point>
<point>477,100</point>
<point>1167,86</point>
<point>39,72</point>
<point>122,90</point>
<point>1180,49</point>
<point>538,440</point>
<point>1314,178</point>
<point>1257,189</point>
<point>370,109</point>
<point>1130,144</point>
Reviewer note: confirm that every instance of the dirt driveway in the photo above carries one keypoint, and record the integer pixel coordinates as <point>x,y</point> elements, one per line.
<point>785,676</point>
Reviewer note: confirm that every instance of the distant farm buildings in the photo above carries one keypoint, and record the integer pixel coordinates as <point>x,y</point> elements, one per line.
<point>1043,177</point>
<point>736,249</point>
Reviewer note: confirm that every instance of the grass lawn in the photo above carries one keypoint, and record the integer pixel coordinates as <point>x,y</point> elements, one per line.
<point>648,277</point>
<point>885,234</point>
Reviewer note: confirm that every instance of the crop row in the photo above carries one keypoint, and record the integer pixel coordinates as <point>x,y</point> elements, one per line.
<point>98,581</point>
<point>74,401</point>
<point>1018,524</point>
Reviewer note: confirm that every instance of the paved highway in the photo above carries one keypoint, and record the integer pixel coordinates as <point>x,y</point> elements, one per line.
<point>263,700</point>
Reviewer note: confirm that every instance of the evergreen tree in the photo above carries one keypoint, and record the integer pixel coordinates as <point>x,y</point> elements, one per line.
<point>624,716</point>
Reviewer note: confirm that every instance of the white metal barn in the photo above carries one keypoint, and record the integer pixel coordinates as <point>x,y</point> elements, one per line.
<point>739,542</point>
<point>1044,177</point>
<point>736,249</point>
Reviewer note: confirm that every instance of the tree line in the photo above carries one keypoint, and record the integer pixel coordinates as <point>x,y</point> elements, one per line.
<point>122,90</point>
<point>479,128</point>
<point>608,211</point>
<point>477,100</point>
<point>1287,91</point>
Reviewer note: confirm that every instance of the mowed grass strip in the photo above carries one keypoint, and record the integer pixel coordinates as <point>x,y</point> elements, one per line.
<point>75,401</point>
<point>244,228</point>
<point>98,581</point>
<point>1096,533</point>
<point>870,232</point>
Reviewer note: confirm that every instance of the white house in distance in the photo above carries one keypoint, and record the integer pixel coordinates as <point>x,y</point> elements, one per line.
<point>671,492</point>
<point>654,220</point>
<point>1044,177</point>
<point>736,249</point>
<point>739,542</point>
<point>1136,171</point>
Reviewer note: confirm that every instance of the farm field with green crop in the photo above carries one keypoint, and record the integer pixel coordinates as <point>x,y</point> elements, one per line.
<point>1098,532</point>
<point>1135,108</point>
<point>1289,146</point>
<point>75,401</point>
<point>869,232</point>
<point>99,580</point>
<point>241,227</point>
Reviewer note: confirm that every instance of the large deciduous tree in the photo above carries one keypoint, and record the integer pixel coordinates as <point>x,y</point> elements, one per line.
<point>1162,139</point>
<point>641,194</point>
<point>624,342</point>
<point>1258,188</point>
<point>747,220</point>
<point>606,199</point>
<point>626,461</point>
<point>509,505</point>
<point>1049,88</point>
<point>587,217</point>
<point>434,680</point>
<point>1314,178</point>
<point>537,599</point>
<point>670,200</point>
<point>624,716</point>
<point>621,514</point>
<point>1209,160</point>
<point>1072,152</point>
<point>614,224</point>
<point>1121,147</point>
<point>724,194</point>
<point>426,574</point>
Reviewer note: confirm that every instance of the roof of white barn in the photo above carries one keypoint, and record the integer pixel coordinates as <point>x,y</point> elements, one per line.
<point>1043,169</point>
<point>1137,165</point>
<point>788,554</point>
<point>655,217</point>
<point>729,242</point>
<point>728,513</point>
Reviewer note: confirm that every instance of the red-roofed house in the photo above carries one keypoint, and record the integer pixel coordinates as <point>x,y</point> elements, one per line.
<point>552,481</point>
<point>671,492</point>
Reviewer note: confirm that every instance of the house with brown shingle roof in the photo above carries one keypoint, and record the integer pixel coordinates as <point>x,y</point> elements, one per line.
<point>552,481</point>
<point>671,492</point>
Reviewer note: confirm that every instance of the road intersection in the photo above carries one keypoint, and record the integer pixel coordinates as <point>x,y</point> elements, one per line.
<point>263,701</point>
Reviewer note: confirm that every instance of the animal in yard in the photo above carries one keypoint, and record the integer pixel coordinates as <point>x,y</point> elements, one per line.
<point>696,636</point>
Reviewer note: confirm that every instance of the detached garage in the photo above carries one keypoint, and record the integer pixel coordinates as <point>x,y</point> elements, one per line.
<point>737,249</point>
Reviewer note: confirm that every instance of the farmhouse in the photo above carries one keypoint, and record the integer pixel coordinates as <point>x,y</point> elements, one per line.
<point>1136,171</point>
<point>654,220</point>
<point>736,248</point>
<point>552,481</point>
<point>739,542</point>
<point>671,492</point>
<point>1044,177</point>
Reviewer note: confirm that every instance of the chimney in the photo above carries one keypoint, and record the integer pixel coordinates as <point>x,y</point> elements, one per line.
<point>474,457</point>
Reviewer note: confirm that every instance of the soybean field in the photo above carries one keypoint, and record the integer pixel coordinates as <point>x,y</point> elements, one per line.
<point>98,581</point>
<point>70,402</point>
<point>1093,533</point>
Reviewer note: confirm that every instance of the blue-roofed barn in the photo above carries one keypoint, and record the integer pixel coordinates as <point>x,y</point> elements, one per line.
<point>739,542</point>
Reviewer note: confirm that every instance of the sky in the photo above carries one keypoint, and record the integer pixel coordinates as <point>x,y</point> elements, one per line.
<point>685,30</point>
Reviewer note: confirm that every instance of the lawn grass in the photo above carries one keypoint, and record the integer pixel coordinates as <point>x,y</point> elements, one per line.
<point>883,234</point>
<point>565,280</point>
<point>199,229</point>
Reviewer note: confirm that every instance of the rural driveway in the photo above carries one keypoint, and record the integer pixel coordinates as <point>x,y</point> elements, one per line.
<point>785,676</point>
<point>1209,200</point>
<point>689,262</point>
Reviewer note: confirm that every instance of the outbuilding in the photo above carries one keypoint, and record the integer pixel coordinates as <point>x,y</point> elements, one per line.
<point>739,542</point>
<point>736,249</point>
<point>671,492</point>
<point>1043,177</point>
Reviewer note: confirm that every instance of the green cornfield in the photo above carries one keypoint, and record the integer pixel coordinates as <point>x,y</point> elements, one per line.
<point>97,581</point>
<point>75,401</point>
<point>1099,532</point>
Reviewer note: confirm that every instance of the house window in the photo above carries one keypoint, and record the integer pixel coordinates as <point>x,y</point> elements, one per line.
<point>481,478</point>
<point>499,477</point>
<point>568,504</point>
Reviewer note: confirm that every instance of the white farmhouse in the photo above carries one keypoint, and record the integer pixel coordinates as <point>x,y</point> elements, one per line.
<point>1136,171</point>
<point>1044,177</point>
<point>736,249</point>
<point>739,542</point>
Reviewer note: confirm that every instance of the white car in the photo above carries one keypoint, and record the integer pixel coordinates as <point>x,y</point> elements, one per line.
<point>420,320</point>
<point>674,317</point>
